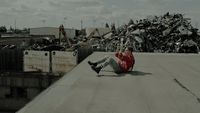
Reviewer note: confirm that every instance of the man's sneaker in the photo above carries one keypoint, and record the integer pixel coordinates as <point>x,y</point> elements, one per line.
<point>92,64</point>
<point>96,69</point>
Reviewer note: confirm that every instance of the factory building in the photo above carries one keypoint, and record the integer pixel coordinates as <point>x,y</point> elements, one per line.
<point>71,33</point>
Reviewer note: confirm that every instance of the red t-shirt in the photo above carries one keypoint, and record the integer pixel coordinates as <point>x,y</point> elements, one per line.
<point>126,60</point>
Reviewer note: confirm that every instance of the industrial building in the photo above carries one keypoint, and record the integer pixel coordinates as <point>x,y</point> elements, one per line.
<point>71,33</point>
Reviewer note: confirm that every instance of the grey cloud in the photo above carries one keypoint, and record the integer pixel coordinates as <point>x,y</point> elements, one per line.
<point>54,11</point>
<point>85,3</point>
<point>105,10</point>
<point>74,4</point>
<point>55,4</point>
<point>7,3</point>
<point>23,9</point>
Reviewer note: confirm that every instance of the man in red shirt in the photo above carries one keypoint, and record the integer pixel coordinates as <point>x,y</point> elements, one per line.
<point>124,63</point>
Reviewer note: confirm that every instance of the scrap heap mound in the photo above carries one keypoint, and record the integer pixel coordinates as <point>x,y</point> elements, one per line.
<point>167,33</point>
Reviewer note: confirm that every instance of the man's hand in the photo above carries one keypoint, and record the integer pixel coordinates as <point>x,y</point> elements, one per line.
<point>118,48</point>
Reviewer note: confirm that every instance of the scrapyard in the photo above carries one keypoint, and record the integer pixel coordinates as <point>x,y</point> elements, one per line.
<point>170,33</point>
<point>47,71</point>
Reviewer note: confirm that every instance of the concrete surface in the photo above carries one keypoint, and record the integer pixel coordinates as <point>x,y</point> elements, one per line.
<point>150,88</point>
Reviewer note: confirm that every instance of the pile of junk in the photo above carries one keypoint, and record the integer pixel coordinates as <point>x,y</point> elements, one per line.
<point>169,33</point>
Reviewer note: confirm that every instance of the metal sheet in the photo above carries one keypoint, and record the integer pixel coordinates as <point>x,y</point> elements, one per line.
<point>36,61</point>
<point>62,61</point>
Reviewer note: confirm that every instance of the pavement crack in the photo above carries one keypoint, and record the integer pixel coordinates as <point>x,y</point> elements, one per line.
<point>188,90</point>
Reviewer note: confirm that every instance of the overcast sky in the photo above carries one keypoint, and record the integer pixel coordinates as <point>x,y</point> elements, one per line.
<point>52,13</point>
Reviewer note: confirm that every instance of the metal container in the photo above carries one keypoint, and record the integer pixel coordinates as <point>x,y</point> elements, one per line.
<point>36,61</point>
<point>62,61</point>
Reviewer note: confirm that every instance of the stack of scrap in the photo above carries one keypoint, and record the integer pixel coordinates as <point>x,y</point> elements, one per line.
<point>168,33</point>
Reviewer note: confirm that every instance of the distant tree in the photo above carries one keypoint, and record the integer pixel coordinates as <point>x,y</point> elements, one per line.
<point>12,29</point>
<point>107,26</point>
<point>29,30</point>
<point>26,30</point>
<point>3,29</point>
<point>18,31</point>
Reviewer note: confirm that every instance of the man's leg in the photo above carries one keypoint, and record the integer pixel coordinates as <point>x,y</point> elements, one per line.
<point>102,60</point>
<point>113,63</point>
<point>105,62</point>
<point>98,62</point>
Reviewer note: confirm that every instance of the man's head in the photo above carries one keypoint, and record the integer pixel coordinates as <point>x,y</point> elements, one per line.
<point>129,49</point>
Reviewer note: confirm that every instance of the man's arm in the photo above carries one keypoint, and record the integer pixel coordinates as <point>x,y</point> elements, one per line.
<point>120,51</point>
<point>121,55</point>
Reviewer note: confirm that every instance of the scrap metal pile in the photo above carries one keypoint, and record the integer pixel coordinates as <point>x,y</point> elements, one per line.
<point>167,33</point>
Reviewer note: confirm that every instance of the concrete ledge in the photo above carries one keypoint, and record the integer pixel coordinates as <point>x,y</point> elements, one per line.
<point>150,88</point>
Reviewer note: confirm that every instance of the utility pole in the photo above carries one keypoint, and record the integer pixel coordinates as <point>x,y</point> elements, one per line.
<point>15,25</point>
<point>94,22</point>
<point>65,21</point>
<point>81,24</point>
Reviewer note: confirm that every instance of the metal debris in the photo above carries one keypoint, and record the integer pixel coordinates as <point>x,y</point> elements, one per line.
<point>170,33</point>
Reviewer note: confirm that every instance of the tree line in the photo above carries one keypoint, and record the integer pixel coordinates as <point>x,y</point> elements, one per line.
<point>3,29</point>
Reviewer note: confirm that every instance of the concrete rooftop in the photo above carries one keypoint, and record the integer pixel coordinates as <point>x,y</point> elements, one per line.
<point>160,83</point>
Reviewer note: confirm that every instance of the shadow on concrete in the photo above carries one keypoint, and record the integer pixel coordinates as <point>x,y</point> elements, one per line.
<point>138,73</point>
<point>108,75</point>
<point>132,73</point>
